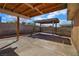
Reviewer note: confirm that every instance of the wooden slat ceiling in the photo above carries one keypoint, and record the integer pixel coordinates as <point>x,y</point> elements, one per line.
<point>32,9</point>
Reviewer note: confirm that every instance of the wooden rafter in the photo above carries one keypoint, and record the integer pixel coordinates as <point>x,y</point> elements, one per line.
<point>4,5</point>
<point>30,9</point>
<point>35,8</point>
<point>32,14</point>
<point>27,11</point>
<point>12,13</point>
<point>22,7</point>
<point>46,5</point>
<point>52,8</point>
<point>42,4</point>
<point>16,7</point>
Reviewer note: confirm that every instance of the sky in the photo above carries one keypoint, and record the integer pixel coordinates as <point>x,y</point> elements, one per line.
<point>60,14</point>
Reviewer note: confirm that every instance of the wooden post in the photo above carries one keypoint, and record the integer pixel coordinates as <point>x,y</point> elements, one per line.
<point>0,19</point>
<point>56,27</point>
<point>53,28</point>
<point>40,27</point>
<point>17,28</point>
<point>33,29</point>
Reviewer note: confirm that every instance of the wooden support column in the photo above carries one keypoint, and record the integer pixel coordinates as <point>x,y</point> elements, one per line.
<point>33,28</point>
<point>53,28</point>
<point>40,27</point>
<point>56,27</point>
<point>17,28</point>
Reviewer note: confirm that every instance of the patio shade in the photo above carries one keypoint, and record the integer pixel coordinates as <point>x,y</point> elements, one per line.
<point>28,10</point>
<point>52,20</point>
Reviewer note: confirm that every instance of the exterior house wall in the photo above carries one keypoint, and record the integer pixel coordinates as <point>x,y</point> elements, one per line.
<point>73,14</point>
<point>75,33</point>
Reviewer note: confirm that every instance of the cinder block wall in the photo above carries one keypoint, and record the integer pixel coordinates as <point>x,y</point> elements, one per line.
<point>7,29</point>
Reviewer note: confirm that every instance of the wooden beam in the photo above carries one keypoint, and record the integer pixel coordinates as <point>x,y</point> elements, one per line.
<point>57,7</point>
<point>46,5</point>
<point>34,8</point>
<point>12,13</point>
<point>27,11</point>
<point>37,4</point>
<point>56,27</point>
<point>18,7</point>
<point>17,28</point>
<point>41,5</point>
<point>4,5</point>
<point>34,14</point>
<point>38,10</point>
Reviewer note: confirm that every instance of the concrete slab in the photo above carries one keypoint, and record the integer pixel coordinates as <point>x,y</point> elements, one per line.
<point>28,46</point>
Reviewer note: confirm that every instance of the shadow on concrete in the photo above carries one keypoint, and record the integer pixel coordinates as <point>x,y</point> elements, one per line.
<point>4,51</point>
<point>8,44</point>
<point>58,39</point>
<point>8,52</point>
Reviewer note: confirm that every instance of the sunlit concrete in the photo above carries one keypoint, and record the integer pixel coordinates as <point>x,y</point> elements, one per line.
<point>28,46</point>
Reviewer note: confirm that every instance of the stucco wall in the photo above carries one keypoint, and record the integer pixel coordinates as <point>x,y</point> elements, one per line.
<point>75,33</point>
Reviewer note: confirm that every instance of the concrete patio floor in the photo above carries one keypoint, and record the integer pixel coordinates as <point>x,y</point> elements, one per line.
<point>28,46</point>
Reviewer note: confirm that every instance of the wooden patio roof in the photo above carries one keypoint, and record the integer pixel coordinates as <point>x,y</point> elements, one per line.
<point>53,20</point>
<point>28,10</point>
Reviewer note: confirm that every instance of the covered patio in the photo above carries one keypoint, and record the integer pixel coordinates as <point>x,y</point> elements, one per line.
<point>24,45</point>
